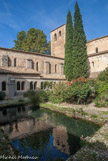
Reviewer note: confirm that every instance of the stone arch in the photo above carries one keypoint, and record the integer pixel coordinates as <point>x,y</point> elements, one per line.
<point>55,37</point>
<point>35,85</point>
<point>9,62</point>
<point>37,66</point>
<point>22,85</point>
<point>55,68</point>
<point>18,85</point>
<point>42,85</point>
<point>3,86</point>
<point>14,62</point>
<point>31,85</point>
<point>49,68</point>
<point>59,33</point>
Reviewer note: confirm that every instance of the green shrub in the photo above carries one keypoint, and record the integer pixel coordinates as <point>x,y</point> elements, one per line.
<point>44,96</point>
<point>78,92</point>
<point>103,76</point>
<point>57,94</point>
<point>2,95</point>
<point>102,94</point>
<point>29,93</point>
<point>34,99</point>
<point>102,91</point>
<point>47,84</point>
<point>81,92</point>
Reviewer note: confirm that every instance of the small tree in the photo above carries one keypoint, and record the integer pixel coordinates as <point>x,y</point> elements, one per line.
<point>68,62</point>
<point>79,51</point>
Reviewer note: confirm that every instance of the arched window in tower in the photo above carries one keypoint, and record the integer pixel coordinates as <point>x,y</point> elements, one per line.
<point>96,50</point>
<point>18,85</point>
<point>55,68</point>
<point>31,85</point>
<point>37,66</point>
<point>55,37</point>
<point>3,86</point>
<point>59,33</point>
<point>35,85</point>
<point>22,85</point>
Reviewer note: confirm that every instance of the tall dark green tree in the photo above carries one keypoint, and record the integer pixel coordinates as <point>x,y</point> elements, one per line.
<point>68,62</point>
<point>79,51</point>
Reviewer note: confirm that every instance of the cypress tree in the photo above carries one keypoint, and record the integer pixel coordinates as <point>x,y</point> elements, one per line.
<point>79,51</point>
<point>68,47</point>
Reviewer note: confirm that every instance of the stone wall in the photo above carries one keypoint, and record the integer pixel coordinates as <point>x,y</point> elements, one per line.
<point>97,51</point>
<point>98,63</point>
<point>100,43</point>
<point>28,68</point>
<point>46,64</point>
<point>58,42</point>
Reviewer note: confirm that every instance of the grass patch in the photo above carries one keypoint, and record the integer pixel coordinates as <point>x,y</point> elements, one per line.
<point>105,112</point>
<point>94,115</point>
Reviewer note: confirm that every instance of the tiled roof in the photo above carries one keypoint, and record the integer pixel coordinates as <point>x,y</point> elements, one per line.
<point>58,27</point>
<point>97,38</point>
<point>32,53</point>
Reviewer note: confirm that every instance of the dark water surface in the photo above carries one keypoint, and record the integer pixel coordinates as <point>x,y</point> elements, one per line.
<point>46,135</point>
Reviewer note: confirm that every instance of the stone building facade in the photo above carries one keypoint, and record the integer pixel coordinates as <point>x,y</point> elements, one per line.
<point>58,41</point>
<point>21,71</point>
<point>97,50</point>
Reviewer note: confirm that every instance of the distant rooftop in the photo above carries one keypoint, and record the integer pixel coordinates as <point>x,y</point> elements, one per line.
<point>58,27</point>
<point>28,52</point>
<point>88,40</point>
<point>97,38</point>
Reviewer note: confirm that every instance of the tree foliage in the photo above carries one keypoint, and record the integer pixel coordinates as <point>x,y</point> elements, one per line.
<point>34,40</point>
<point>79,52</point>
<point>21,40</point>
<point>68,47</point>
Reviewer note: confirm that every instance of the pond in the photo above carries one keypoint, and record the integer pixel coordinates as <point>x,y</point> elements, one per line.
<point>46,135</point>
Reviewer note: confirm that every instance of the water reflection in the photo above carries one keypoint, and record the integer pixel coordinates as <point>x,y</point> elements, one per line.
<point>11,114</point>
<point>61,139</point>
<point>47,134</point>
<point>23,127</point>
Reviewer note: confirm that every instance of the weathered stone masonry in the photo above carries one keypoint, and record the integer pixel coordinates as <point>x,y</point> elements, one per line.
<point>21,71</point>
<point>97,50</point>
<point>24,70</point>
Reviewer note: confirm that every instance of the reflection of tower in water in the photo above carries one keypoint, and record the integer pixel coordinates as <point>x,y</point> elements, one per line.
<point>61,139</point>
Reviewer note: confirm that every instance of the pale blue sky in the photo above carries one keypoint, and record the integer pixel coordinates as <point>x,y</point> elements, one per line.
<point>17,15</point>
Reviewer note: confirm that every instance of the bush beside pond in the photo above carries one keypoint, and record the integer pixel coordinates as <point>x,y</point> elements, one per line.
<point>103,76</point>
<point>102,91</point>
<point>82,91</point>
<point>78,92</point>
<point>35,97</point>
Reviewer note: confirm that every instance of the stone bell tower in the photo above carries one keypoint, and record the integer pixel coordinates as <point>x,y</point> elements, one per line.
<point>58,41</point>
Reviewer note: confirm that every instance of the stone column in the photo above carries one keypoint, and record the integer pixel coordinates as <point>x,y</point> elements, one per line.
<point>11,87</point>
